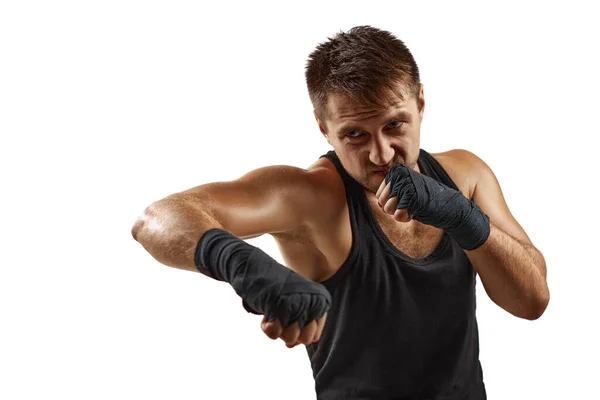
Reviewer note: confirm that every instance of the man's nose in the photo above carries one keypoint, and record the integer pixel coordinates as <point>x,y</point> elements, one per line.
<point>381,152</point>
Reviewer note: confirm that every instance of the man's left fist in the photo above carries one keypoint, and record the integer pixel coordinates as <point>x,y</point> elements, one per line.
<point>407,194</point>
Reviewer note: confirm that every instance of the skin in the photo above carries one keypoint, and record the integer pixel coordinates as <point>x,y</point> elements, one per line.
<point>305,211</point>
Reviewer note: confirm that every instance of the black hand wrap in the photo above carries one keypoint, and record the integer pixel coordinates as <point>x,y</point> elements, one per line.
<point>265,286</point>
<point>434,203</point>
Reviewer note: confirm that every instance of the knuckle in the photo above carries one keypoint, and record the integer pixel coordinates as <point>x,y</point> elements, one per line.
<point>399,216</point>
<point>270,333</point>
<point>272,330</point>
<point>290,334</point>
<point>306,337</point>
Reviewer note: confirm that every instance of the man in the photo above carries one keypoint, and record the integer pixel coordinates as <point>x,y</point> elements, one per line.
<point>382,241</point>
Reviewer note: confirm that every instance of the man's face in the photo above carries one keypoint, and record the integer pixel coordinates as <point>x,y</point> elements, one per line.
<point>369,141</point>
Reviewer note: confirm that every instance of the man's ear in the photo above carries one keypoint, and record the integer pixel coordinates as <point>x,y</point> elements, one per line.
<point>421,102</point>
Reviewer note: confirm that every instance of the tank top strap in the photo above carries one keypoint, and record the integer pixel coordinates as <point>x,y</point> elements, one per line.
<point>430,167</point>
<point>352,186</point>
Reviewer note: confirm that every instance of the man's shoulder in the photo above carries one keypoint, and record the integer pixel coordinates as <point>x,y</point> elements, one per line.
<point>464,168</point>
<point>316,192</point>
<point>327,181</point>
<point>459,158</point>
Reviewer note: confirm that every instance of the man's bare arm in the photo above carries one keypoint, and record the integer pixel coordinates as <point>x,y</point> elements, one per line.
<point>511,268</point>
<point>272,199</point>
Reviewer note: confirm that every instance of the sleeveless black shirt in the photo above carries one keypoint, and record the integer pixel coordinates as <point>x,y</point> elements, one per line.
<point>398,327</point>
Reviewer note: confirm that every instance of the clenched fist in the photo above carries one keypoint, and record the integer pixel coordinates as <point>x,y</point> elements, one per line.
<point>407,194</point>
<point>293,335</point>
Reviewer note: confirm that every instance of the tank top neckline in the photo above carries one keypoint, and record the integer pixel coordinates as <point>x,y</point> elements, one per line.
<point>363,202</point>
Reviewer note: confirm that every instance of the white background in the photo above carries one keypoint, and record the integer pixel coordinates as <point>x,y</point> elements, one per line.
<point>108,106</point>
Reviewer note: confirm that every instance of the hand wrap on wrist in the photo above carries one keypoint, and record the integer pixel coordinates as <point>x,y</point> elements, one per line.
<point>434,203</point>
<point>265,286</point>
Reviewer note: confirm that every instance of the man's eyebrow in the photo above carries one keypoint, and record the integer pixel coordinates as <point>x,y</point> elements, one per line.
<point>401,115</point>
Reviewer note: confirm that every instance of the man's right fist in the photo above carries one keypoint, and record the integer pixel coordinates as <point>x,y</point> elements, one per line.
<point>292,335</point>
<point>265,286</point>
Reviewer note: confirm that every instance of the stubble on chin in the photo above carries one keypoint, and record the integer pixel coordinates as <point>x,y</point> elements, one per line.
<point>371,184</point>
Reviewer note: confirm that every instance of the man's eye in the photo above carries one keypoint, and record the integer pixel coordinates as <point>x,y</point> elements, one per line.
<point>395,124</point>
<point>353,134</point>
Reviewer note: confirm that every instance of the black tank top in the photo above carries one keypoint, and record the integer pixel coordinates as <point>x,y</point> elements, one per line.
<point>398,327</point>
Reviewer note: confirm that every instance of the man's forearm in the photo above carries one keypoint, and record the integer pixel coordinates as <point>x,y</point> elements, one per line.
<point>513,274</point>
<point>170,230</point>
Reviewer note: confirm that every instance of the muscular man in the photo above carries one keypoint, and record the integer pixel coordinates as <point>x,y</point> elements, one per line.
<point>382,240</point>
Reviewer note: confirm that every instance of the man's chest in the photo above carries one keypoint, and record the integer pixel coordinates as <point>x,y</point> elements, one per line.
<point>319,254</point>
<point>413,239</point>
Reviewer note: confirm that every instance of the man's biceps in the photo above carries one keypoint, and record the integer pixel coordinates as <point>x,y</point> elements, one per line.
<point>261,218</point>
<point>488,196</point>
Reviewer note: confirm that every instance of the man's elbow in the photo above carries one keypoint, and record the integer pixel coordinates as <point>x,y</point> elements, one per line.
<point>148,218</point>
<point>151,229</point>
<point>539,306</point>
<point>169,231</point>
<point>137,227</point>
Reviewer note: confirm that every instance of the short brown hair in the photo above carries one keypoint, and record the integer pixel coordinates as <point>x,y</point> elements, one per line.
<point>364,63</point>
